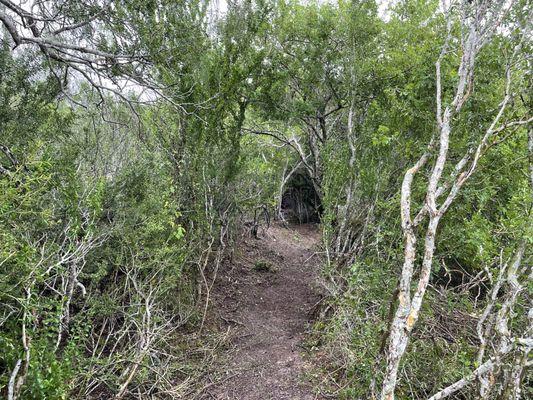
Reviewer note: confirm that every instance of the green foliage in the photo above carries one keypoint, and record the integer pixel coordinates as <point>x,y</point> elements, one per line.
<point>491,216</point>
<point>111,214</point>
<point>264,266</point>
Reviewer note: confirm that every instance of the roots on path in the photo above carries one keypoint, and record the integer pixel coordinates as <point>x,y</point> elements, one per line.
<point>265,297</point>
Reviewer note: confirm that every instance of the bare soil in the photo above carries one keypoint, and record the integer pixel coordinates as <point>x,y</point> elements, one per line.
<point>265,299</point>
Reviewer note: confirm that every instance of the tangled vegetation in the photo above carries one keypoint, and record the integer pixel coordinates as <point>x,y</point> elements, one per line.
<point>139,139</point>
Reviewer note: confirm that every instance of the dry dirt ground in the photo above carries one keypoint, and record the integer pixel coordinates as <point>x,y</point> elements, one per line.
<point>264,298</point>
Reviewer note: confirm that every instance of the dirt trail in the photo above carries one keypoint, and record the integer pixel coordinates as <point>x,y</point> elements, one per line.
<point>266,298</point>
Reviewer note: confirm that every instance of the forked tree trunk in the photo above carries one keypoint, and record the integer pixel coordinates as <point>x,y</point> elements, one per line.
<point>478,21</point>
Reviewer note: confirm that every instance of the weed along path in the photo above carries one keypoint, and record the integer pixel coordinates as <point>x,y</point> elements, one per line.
<point>265,299</point>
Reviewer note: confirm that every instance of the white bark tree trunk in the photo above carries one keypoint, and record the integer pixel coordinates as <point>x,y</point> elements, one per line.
<point>478,30</point>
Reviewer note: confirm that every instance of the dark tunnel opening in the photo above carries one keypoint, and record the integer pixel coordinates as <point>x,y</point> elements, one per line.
<point>300,202</point>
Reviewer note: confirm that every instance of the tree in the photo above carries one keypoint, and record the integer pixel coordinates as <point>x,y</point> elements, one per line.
<point>99,42</point>
<point>478,22</point>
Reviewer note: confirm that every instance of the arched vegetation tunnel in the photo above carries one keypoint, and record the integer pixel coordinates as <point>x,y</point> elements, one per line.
<point>300,202</point>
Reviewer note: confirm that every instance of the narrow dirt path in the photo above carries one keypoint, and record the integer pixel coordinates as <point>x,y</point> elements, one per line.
<point>266,298</point>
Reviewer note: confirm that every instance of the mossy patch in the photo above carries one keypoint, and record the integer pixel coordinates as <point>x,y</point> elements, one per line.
<point>264,266</point>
